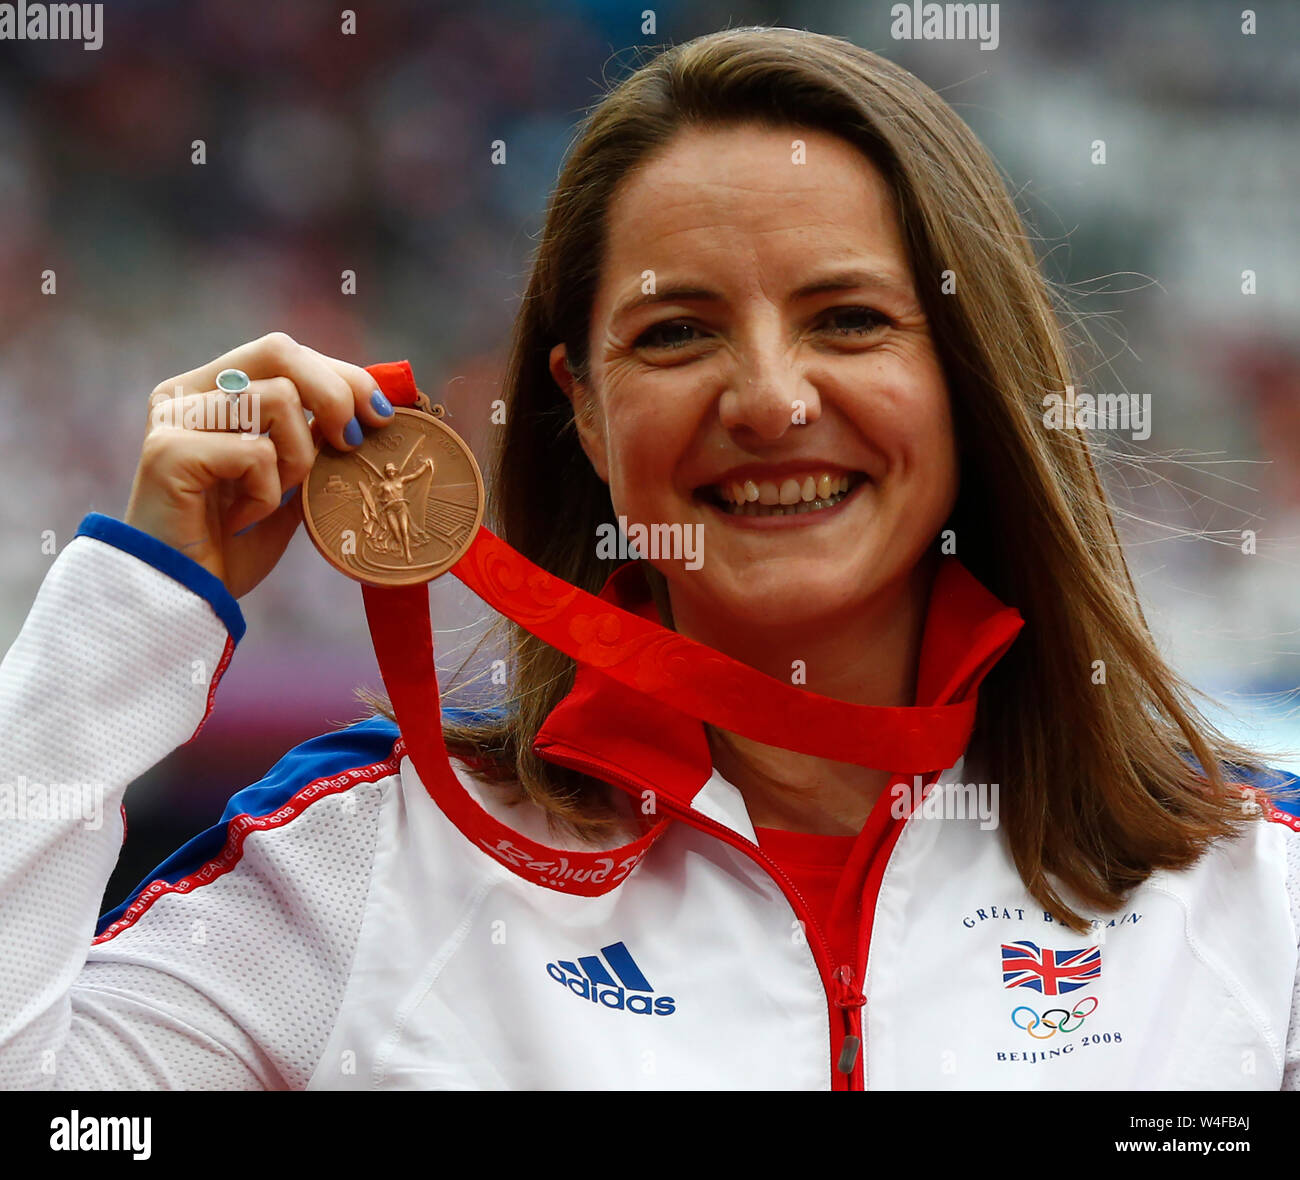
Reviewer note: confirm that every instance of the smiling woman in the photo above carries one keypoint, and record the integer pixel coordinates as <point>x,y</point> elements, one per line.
<point>769,397</point>
<point>783,303</point>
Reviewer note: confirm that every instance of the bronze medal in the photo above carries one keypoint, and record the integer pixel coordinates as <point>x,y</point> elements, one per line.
<point>400,509</point>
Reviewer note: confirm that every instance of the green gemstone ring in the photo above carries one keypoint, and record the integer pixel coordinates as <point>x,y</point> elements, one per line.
<point>232,381</point>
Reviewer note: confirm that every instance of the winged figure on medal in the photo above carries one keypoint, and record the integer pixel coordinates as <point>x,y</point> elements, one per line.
<point>388,522</point>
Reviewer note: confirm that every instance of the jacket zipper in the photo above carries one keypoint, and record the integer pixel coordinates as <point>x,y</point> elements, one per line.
<point>844,997</point>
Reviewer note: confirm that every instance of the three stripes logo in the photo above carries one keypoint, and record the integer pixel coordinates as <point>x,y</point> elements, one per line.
<point>614,982</point>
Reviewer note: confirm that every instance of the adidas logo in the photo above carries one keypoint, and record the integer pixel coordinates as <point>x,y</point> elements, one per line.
<point>616,982</point>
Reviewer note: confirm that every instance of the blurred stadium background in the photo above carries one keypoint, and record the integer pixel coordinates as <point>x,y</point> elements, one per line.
<point>371,153</point>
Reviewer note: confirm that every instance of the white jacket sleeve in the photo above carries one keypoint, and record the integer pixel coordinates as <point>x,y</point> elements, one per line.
<point>225,971</point>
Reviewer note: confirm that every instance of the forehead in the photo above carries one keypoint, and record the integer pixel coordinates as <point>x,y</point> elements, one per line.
<point>710,189</point>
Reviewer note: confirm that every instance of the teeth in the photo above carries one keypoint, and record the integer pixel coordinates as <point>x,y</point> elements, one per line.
<point>768,499</point>
<point>809,489</point>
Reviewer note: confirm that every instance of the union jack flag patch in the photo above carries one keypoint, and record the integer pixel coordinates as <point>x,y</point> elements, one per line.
<point>1049,972</point>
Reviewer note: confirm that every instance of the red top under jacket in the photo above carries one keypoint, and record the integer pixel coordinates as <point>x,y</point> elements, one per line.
<point>816,866</point>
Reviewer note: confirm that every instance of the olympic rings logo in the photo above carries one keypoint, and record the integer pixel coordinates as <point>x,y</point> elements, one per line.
<point>1077,1014</point>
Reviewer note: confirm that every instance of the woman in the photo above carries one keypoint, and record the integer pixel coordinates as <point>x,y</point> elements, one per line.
<point>781,298</point>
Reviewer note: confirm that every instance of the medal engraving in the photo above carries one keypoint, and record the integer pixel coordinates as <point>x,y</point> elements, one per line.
<point>400,509</point>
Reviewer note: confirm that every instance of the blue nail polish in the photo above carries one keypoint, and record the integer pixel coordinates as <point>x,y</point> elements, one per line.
<point>352,435</point>
<point>247,527</point>
<point>287,497</point>
<point>381,403</point>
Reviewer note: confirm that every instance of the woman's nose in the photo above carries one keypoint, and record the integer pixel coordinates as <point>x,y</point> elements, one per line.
<point>768,394</point>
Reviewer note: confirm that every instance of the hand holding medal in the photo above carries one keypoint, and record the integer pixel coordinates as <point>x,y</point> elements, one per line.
<point>228,443</point>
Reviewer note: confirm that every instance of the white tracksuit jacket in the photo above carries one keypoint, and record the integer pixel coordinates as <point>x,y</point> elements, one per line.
<point>336,931</point>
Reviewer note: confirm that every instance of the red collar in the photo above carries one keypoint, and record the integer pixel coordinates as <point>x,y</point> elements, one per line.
<point>967,629</point>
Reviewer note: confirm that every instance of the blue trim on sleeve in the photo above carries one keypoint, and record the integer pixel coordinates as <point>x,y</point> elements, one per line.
<point>321,757</point>
<point>169,561</point>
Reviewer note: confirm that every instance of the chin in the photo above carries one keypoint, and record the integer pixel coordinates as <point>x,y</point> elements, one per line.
<point>783,599</point>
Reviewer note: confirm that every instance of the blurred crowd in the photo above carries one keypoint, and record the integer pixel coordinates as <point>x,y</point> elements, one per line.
<point>327,151</point>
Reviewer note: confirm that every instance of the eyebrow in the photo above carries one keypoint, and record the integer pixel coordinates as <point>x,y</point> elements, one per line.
<point>841,280</point>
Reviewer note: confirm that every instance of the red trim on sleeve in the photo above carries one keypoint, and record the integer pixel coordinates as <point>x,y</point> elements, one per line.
<point>227,652</point>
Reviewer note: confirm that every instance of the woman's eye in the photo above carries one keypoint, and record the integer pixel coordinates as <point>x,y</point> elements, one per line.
<point>666,335</point>
<point>867,319</point>
<point>673,335</point>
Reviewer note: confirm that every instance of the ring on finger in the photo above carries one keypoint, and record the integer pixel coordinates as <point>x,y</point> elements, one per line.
<point>233,382</point>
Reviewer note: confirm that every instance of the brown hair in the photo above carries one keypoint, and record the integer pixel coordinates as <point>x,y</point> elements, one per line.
<point>1098,787</point>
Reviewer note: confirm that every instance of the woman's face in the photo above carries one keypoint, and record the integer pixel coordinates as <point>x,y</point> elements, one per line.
<point>756,333</point>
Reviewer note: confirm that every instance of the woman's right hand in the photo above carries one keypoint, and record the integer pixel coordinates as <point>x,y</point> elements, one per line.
<point>195,489</point>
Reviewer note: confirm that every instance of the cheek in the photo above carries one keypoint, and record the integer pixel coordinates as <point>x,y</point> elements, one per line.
<point>644,439</point>
<point>923,432</point>
<point>940,470</point>
<point>908,404</point>
<point>931,407</point>
<point>940,443</point>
